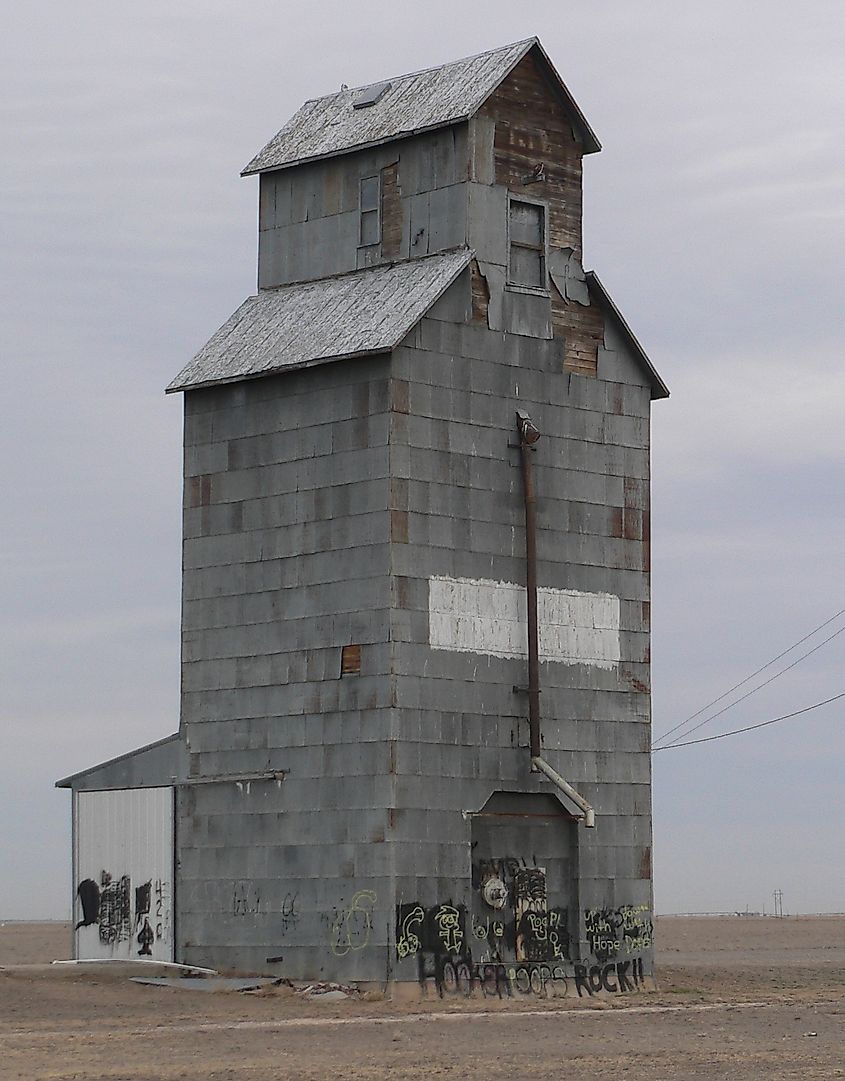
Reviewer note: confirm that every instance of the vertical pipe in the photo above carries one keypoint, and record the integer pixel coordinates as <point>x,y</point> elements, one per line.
<point>528,434</point>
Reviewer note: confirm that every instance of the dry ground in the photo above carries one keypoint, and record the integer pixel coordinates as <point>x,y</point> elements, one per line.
<point>745,999</point>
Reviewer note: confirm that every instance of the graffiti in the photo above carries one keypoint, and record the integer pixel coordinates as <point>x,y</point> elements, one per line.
<point>246,900</point>
<point>115,917</point>
<point>162,911</point>
<point>626,930</point>
<point>143,896</point>
<point>616,977</point>
<point>289,913</point>
<point>115,909</point>
<point>408,942</point>
<point>146,938</point>
<point>448,920</point>
<point>351,927</point>
<point>89,898</point>
<point>530,903</point>
<point>452,978</point>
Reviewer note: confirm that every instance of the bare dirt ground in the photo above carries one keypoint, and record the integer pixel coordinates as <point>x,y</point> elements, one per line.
<point>745,999</point>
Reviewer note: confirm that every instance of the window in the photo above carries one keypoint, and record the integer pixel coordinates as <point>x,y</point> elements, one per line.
<point>527,243</point>
<point>369,200</point>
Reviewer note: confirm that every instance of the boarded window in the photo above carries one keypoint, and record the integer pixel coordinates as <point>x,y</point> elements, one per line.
<point>527,237</point>
<point>369,200</point>
<point>350,660</point>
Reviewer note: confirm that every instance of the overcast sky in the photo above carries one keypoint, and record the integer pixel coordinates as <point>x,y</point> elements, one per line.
<point>715,216</point>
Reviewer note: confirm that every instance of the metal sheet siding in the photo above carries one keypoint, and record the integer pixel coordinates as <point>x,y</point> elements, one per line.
<point>369,311</point>
<point>123,868</point>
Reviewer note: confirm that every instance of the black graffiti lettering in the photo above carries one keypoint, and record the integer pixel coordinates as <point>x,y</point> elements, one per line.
<point>606,973</point>
<point>115,909</point>
<point>143,897</point>
<point>89,897</point>
<point>622,973</point>
<point>146,938</point>
<point>581,982</point>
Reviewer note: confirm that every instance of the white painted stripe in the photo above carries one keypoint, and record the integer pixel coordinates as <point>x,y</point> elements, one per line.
<point>478,615</point>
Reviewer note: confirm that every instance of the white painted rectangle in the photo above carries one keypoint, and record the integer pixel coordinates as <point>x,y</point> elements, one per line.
<point>477,615</point>
<point>123,868</point>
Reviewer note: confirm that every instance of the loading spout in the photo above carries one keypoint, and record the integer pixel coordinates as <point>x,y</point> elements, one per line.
<point>540,765</point>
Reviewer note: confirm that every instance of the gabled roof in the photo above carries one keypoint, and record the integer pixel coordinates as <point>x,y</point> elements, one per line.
<point>604,300</point>
<point>405,105</point>
<point>298,326</point>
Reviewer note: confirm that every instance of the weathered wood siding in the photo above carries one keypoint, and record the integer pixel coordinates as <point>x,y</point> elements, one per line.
<point>531,127</point>
<point>522,125</point>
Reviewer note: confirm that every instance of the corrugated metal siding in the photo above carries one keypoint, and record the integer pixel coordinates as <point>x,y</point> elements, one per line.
<point>415,102</point>
<point>123,867</point>
<point>369,311</point>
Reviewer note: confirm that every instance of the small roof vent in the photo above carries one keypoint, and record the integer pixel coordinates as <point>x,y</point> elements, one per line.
<point>370,95</point>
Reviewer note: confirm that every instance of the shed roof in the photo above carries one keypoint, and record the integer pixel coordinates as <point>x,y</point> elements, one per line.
<point>404,105</point>
<point>297,326</point>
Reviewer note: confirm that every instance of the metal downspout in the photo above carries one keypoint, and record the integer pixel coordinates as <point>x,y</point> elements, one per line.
<point>528,436</point>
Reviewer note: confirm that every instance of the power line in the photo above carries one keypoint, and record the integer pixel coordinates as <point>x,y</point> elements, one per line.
<point>742,682</point>
<point>753,690</point>
<point>750,727</point>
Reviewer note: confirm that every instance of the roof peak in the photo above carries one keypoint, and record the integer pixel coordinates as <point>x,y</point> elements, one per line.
<point>408,104</point>
<point>527,43</point>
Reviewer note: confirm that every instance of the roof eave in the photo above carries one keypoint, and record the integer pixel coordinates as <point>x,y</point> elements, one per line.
<point>658,387</point>
<point>67,782</point>
<point>313,363</point>
<point>409,134</point>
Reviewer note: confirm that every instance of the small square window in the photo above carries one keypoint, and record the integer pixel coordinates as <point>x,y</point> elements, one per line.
<point>369,206</point>
<point>527,244</point>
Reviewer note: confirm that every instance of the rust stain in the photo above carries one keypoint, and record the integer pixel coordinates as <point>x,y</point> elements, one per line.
<point>399,526</point>
<point>400,396</point>
<point>350,660</point>
<point>645,862</point>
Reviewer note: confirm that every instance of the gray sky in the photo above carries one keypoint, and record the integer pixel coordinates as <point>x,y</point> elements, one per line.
<point>715,216</point>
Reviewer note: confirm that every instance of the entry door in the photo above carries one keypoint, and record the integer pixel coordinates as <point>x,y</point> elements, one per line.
<point>523,882</point>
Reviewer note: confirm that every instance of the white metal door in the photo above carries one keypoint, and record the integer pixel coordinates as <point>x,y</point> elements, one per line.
<point>123,868</point>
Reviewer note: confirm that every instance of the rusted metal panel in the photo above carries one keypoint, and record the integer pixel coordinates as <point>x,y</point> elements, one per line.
<point>295,326</point>
<point>123,874</point>
<point>350,660</point>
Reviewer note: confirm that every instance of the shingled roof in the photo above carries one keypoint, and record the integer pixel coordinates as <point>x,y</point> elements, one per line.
<point>297,326</point>
<point>405,105</point>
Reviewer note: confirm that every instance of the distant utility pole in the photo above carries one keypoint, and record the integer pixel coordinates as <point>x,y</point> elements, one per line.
<point>778,896</point>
